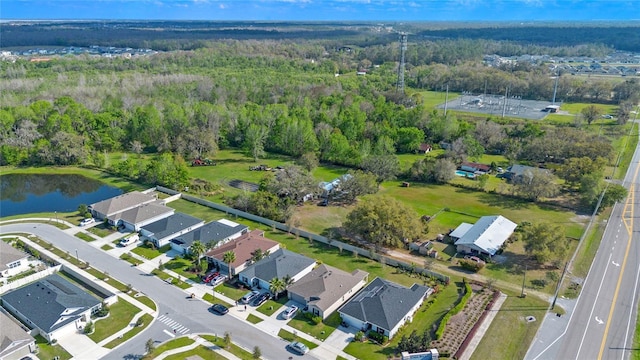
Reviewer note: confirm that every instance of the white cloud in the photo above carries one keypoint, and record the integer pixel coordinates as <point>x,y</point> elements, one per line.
<point>222,6</point>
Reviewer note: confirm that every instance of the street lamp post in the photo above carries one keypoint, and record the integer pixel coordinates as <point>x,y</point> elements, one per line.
<point>77,259</point>
<point>56,216</point>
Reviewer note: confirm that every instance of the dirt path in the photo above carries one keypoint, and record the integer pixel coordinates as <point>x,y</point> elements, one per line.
<point>442,268</point>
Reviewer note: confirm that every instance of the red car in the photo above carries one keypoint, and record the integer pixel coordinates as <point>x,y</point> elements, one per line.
<point>210,277</point>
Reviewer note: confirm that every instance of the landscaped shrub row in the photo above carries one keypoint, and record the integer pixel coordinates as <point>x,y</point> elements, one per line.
<point>456,309</point>
<point>377,337</point>
<point>474,329</point>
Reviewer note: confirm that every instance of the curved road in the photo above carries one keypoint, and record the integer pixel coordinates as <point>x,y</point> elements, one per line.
<point>172,302</point>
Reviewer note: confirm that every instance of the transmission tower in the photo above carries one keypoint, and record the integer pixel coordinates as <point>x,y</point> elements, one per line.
<point>403,50</point>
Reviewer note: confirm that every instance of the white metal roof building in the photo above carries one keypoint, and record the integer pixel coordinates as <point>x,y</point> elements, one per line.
<point>486,236</point>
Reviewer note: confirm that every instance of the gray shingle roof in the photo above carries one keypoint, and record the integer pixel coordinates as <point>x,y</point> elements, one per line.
<point>9,254</point>
<point>214,231</point>
<point>325,285</point>
<point>488,234</point>
<point>279,264</point>
<point>12,334</point>
<point>384,303</point>
<point>50,302</point>
<point>171,225</point>
<point>121,203</point>
<point>143,212</point>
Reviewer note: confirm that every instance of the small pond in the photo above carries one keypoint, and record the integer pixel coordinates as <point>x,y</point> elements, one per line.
<point>34,193</point>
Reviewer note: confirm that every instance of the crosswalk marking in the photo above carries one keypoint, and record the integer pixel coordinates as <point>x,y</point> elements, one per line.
<point>174,325</point>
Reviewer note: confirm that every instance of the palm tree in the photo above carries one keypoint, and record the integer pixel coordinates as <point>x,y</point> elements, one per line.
<point>288,280</point>
<point>257,255</point>
<point>197,249</point>
<point>229,257</point>
<point>277,285</point>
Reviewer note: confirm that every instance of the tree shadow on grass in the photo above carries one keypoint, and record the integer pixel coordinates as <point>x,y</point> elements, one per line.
<point>503,201</point>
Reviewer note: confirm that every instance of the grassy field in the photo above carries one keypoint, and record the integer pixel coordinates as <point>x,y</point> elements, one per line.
<point>202,352</point>
<point>120,315</point>
<point>431,99</point>
<point>50,351</point>
<point>510,326</point>
<point>146,321</point>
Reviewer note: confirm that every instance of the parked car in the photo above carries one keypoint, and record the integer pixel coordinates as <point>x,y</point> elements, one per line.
<point>219,309</point>
<point>129,240</point>
<point>290,312</point>
<point>248,297</point>
<point>218,280</point>
<point>474,258</point>
<point>210,276</point>
<point>87,221</point>
<point>298,347</point>
<point>259,300</point>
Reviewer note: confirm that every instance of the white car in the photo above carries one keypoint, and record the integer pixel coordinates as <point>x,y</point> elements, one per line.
<point>218,280</point>
<point>290,312</point>
<point>87,221</point>
<point>129,240</point>
<point>248,297</point>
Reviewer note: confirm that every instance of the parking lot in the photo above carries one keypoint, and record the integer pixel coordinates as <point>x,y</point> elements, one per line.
<point>495,105</point>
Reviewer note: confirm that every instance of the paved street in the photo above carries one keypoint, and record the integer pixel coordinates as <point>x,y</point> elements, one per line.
<point>603,322</point>
<point>174,307</point>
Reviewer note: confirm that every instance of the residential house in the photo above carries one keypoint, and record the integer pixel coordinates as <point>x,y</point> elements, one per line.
<point>383,306</point>
<point>52,305</point>
<point>330,187</point>
<point>517,173</point>
<point>164,230</point>
<point>425,148</point>
<point>475,168</point>
<point>134,219</point>
<point>485,237</point>
<point>15,342</point>
<point>110,207</point>
<point>211,235</point>
<point>281,263</point>
<point>243,247</point>
<point>12,260</point>
<point>326,288</point>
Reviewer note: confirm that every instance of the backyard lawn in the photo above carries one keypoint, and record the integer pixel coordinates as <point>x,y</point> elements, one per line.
<point>120,315</point>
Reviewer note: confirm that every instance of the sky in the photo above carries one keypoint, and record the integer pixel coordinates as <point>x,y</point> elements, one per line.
<point>324,10</point>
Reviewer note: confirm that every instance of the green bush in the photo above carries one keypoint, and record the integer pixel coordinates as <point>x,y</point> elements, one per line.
<point>316,320</point>
<point>456,309</point>
<point>377,337</point>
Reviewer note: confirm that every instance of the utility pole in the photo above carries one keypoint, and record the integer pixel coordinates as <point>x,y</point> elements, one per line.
<point>555,87</point>
<point>555,295</point>
<point>446,100</point>
<point>504,106</point>
<point>522,294</point>
<point>403,50</point>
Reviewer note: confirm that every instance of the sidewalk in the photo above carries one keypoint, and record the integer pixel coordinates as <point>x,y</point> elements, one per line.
<point>484,326</point>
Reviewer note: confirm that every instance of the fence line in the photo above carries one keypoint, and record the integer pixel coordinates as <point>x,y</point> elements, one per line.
<point>305,234</point>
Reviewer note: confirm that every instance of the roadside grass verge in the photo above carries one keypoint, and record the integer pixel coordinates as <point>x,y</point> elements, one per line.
<point>169,345</point>
<point>52,222</point>
<point>177,282</point>
<point>106,247</point>
<point>253,319</point>
<point>84,237</point>
<point>146,321</point>
<point>233,348</point>
<point>271,306</point>
<point>120,315</point>
<point>200,352</point>
<point>510,326</point>
<point>214,300</point>
<point>50,351</point>
<point>319,331</point>
<point>291,337</point>
<point>147,301</point>
<point>628,145</point>
<point>130,259</point>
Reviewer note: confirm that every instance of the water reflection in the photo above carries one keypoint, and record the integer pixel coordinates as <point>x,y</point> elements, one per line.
<point>32,193</point>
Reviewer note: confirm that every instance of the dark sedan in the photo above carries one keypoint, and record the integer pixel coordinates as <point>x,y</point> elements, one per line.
<point>260,299</point>
<point>219,309</point>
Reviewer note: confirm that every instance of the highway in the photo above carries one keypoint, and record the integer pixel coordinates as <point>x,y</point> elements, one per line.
<point>172,302</point>
<point>603,322</point>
